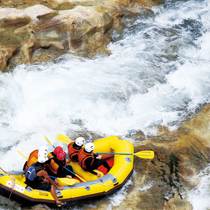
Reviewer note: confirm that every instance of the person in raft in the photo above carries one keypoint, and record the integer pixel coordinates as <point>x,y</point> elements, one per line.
<point>90,161</point>
<point>38,178</point>
<point>74,148</point>
<point>58,165</point>
<point>33,157</point>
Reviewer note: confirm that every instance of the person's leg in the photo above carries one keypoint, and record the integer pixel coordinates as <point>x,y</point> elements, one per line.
<point>48,187</point>
<point>53,193</point>
<point>99,162</point>
<point>48,181</point>
<point>56,184</point>
<point>105,164</point>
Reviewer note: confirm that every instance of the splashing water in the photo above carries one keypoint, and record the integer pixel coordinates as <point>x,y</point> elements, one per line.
<point>199,197</point>
<point>158,73</point>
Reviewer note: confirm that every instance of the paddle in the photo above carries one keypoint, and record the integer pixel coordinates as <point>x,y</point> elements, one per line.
<point>4,171</point>
<point>67,181</point>
<point>79,177</point>
<point>145,154</point>
<point>49,142</point>
<point>63,139</point>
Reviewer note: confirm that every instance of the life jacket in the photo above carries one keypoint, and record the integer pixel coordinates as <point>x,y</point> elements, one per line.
<point>83,156</point>
<point>33,158</point>
<point>31,172</point>
<point>73,151</point>
<point>54,163</point>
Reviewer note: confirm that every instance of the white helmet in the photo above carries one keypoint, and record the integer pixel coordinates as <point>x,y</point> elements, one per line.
<point>89,147</point>
<point>79,141</point>
<point>42,154</point>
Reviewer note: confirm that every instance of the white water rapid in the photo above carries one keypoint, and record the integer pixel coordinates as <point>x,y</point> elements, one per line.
<point>158,73</point>
<point>199,197</point>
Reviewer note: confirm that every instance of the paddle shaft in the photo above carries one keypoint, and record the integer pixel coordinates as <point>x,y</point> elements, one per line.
<point>4,171</point>
<point>114,153</point>
<point>145,154</point>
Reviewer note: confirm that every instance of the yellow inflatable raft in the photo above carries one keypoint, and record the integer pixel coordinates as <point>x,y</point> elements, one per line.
<point>13,185</point>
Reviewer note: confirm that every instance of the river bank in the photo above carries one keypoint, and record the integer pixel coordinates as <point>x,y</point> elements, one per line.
<point>38,31</point>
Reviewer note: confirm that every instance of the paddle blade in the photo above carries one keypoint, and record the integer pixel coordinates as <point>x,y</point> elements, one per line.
<point>67,181</point>
<point>21,154</point>
<point>145,154</point>
<point>63,139</point>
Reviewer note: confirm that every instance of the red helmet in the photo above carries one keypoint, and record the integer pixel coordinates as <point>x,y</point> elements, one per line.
<point>60,153</point>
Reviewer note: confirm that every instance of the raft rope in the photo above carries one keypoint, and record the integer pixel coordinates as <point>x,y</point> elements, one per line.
<point>13,181</point>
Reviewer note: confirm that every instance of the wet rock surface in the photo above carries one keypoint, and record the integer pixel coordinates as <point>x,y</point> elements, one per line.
<point>180,155</point>
<point>40,30</point>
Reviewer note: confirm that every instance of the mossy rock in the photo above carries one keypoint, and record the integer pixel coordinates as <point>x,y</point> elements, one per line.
<point>8,37</point>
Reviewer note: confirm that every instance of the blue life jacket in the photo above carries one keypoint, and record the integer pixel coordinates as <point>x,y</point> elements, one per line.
<point>31,173</point>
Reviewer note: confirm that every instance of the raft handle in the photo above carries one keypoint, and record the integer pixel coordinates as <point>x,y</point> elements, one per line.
<point>87,187</point>
<point>29,189</point>
<point>116,183</point>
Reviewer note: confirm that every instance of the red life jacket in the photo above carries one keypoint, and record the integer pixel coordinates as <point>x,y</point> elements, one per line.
<point>73,152</point>
<point>83,156</point>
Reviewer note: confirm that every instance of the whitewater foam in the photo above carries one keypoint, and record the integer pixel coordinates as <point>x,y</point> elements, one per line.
<point>199,197</point>
<point>157,74</point>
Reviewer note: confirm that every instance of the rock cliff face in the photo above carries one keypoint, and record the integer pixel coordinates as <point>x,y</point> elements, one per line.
<point>39,30</point>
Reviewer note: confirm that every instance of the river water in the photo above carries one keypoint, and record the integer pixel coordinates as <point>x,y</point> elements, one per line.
<point>158,73</point>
